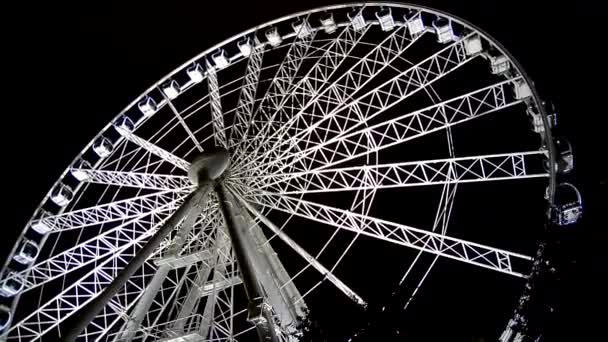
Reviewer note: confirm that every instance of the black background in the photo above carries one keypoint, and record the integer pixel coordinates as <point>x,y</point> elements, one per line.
<point>68,69</point>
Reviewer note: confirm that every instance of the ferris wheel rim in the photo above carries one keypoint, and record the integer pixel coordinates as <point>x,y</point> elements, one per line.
<point>537,99</point>
<point>521,71</point>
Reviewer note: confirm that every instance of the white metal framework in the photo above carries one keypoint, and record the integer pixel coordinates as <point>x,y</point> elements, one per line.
<point>340,116</point>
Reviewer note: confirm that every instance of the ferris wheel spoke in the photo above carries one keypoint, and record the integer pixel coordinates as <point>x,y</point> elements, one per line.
<point>396,175</point>
<point>453,248</point>
<point>119,210</point>
<point>318,75</point>
<point>75,296</point>
<point>305,255</point>
<point>182,123</point>
<point>111,242</point>
<point>358,111</point>
<point>154,149</point>
<point>411,125</point>
<point>353,80</point>
<point>217,115</point>
<point>133,179</point>
<point>246,102</point>
<point>282,82</point>
<point>88,251</point>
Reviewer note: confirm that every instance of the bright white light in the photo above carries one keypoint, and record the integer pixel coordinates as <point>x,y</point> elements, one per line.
<point>472,45</point>
<point>171,89</point>
<point>357,20</point>
<point>415,24</point>
<point>62,195</point>
<point>499,64</point>
<point>220,60</point>
<point>147,106</point>
<point>124,124</point>
<point>245,46</point>
<point>302,28</point>
<point>40,226</point>
<point>79,174</point>
<point>13,286</point>
<point>385,19</point>
<point>103,147</point>
<point>521,89</point>
<point>195,73</point>
<point>444,30</point>
<point>273,37</point>
<point>329,25</point>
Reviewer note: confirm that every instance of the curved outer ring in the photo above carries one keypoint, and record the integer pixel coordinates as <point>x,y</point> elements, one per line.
<point>547,138</point>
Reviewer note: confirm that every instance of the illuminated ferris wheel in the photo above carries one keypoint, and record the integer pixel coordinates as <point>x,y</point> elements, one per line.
<point>254,177</point>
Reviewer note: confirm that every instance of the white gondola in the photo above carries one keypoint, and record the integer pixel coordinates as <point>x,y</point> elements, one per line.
<point>40,225</point>
<point>499,64</point>
<point>220,59</point>
<point>302,28</point>
<point>12,284</point>
<point>537,121</point>
<point>568,205</point>
<point>77,170</point>
<point>195,72</point>
<point>415,23</point>
<point>385,18</point>
<point>62,195</point>
<point>444,30</point>
<point>245,46</point>
<point>171,89</point>
<point>103,147</point>
<point>27,253</point>
<point>521,89</point>
<point>124,123</point>
<point>5,317</point>
<point>147,106</point>
<point>564,159</point>
<point>328,23</point>
<point>356,19</point>
<point>473,45</point>
<point>273,36</point>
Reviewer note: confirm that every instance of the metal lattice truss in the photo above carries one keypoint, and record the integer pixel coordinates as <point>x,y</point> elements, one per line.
<point>244,109</point>
<point>216,108</point>
<point>154,149</point>
<point>457,249</point>
<point>347,145</point>
<point>394,175</point>
<point>136,179</point>
<point>312,97</point>
<point>359,110</point>
<point>119,210</point>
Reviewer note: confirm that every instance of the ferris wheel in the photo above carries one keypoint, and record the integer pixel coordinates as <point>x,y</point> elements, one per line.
<point>271,168</point>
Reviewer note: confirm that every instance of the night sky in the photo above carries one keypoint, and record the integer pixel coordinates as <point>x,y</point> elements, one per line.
<point>71,69</point>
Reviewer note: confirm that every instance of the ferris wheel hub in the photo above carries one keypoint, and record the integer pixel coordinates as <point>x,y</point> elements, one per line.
<point>210,164</point>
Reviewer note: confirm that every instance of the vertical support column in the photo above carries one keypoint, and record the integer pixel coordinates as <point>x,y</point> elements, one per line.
<point>273,275</point>
<point>143,305</point>
<point>259,312</point>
